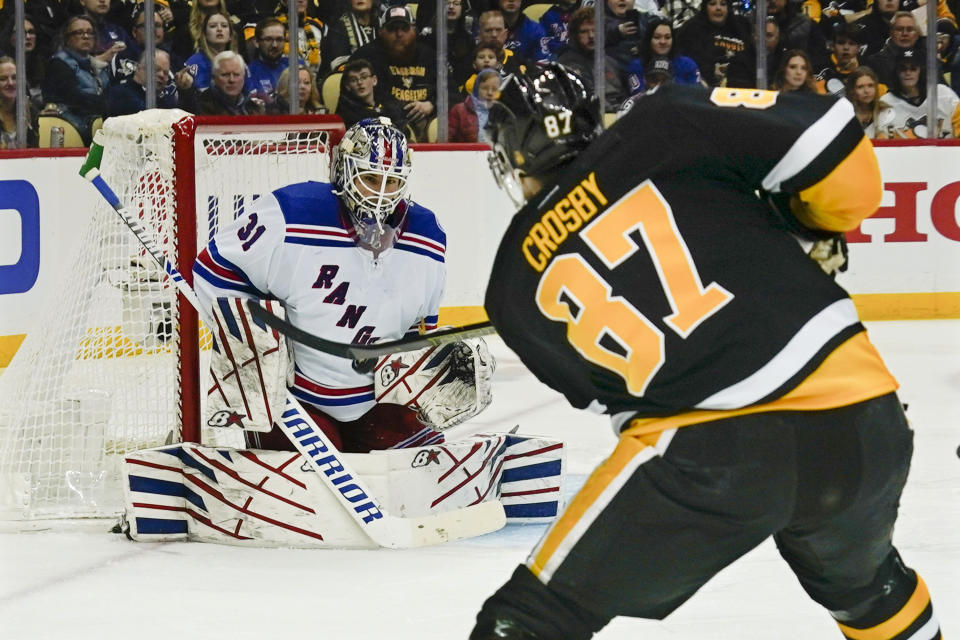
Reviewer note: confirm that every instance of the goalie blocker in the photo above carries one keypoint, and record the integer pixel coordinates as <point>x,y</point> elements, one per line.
<point>274,499</point>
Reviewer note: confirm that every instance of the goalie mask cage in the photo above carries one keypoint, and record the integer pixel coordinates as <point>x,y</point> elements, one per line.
<point>116,364</point>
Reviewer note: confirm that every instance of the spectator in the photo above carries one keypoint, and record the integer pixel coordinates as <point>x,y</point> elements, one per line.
<point>358,99</point>
<point>354,28</point>
<point>218,36</point>
<point>874,27</point>
<point>124,64</point>
<point>405,68</point>
<point>307,93</point>
<point>109,35</point>
<point>310,37</point>
<point>579,57</point>
<point>493,31</point>
<point>47,17</point>
<point>525,37</point>
<point>904,35</point>
<point>467,119</point>
<point>186,39</point>
<point>845,59</point>
<point>173,15</point>
<point>946,17</point>
<point>486,55</point>
<point>796,73</point>
<point>797,31</point>
<point>76,81</point>
<point>130,96</point>
<point>460,43</point>
<point>742,71</point>
<point>556,22</point>
<point>624,30</point>
<point>907,99</point>
<point>226,96</point>
<point>863,92</point>
<point>469,9</point>
<point>35,63</point>
<point>268,61</point>
<point>657,43</point>
<point>8,108</point>
<point>714,38</point>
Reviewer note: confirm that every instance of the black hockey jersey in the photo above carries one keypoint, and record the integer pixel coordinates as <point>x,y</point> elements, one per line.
<point>654,278</point>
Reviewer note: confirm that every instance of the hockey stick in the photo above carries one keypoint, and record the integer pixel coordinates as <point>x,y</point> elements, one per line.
<point>366,351</point>
<point>312,443</point>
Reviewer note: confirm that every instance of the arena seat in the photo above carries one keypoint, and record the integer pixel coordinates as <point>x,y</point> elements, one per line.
<point>330,92</point>
<point>45,125</point>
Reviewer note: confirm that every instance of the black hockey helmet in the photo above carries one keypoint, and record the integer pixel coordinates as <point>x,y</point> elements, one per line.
<point>541,120</point>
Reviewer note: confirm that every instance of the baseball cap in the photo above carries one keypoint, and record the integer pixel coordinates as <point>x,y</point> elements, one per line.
<point>396,13</point>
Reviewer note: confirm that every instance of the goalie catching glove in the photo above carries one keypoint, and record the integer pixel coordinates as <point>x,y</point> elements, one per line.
<point>250,368</point>
<point>445,385</point>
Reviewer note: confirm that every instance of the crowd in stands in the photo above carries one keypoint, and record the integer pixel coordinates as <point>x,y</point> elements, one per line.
<point>86,59</point>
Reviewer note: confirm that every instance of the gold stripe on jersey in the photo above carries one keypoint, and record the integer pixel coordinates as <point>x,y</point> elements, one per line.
<point>833,204</point>
<point>895,625</point>
<point>594,496</point>
<point>853,372</point>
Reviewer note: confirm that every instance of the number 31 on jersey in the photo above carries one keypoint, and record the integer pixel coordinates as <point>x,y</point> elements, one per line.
<point>606,329</point>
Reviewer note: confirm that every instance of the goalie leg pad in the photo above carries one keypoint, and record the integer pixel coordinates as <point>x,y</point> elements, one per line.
<point>525,473</point>
<point>230,496</point>
<point>250,369</point>
<point>531,485</point>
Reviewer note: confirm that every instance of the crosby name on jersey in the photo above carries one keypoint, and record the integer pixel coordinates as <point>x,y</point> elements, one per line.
<point>296,246</point>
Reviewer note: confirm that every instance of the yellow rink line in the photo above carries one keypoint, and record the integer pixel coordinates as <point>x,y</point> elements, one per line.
<point>873,306</point>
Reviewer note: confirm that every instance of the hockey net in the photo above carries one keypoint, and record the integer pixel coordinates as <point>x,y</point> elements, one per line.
<point>115,365</point>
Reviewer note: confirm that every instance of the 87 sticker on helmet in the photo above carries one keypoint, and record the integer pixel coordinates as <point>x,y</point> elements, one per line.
<point>557,125</point>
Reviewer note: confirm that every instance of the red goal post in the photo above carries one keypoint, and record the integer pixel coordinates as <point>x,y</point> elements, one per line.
<point>189,136</point>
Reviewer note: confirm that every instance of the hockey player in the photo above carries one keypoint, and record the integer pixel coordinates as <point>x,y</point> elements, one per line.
<point>644,278</point>
<point>352,261</point>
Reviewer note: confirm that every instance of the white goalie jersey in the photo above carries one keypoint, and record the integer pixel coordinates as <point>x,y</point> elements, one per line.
<point>294,246</point>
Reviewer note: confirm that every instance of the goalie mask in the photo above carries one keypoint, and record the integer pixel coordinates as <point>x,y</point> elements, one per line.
<point>371,170</point>
<point>540,122</point>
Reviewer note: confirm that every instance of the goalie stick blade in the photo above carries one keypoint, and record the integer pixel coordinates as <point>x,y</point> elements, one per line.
<point>468,522</point>
<point>368,351</point>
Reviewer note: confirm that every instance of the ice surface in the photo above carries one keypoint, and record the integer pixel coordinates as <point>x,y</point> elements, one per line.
<point>87,584</point>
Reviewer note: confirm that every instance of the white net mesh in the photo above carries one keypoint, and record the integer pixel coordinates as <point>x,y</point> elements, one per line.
<point>100,376</point>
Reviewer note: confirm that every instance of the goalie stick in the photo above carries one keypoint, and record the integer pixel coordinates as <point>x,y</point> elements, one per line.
<point>385,530</point>
<point>361,352</point>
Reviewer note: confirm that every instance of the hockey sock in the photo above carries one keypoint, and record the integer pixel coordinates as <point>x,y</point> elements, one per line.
<point>901,610</point>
